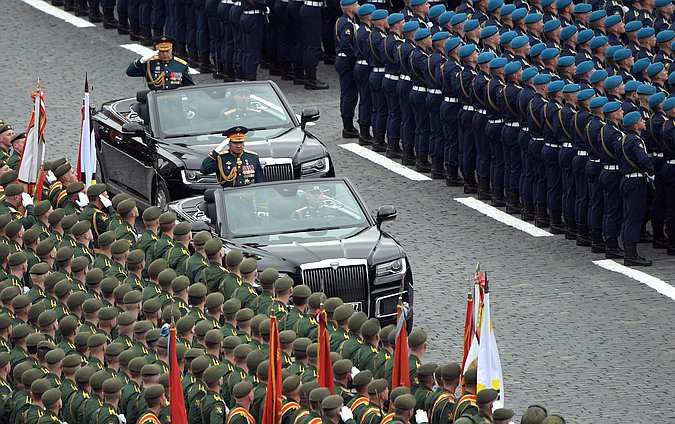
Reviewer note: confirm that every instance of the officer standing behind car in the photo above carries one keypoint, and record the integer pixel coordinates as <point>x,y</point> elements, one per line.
<point>236,166</point>
<point>162,71</point>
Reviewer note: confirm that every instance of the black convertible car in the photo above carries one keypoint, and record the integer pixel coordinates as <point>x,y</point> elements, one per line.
<point>152,146</point>
<point>317,231</point>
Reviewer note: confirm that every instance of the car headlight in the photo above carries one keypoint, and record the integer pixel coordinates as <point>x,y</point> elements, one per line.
<point>314,166</point>
<point>396,267</point>
<point>192,176</point>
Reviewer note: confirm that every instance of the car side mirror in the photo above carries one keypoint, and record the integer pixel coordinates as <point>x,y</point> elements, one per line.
<point>385,213</point>
<point>133,129</point>
<point>309,114</point>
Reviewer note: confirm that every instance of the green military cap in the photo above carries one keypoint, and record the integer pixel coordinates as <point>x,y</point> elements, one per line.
<point>312,350</point>
<point>248,265</point>
<point>254,359</point>
<point>426,370</point>
<point>56,216</point>
<point>263,369</point>
<point>79,263</point>
<point>405,402</point>
<point>136,364</point>
<point>13,228</point>
<point>4,250</point>
<point>96,189</point>
<point>255,322</point>
<point>83,375</point>
<point>135,257</point>
<point>502,414</point>
<point>51,397</point>
<point>107,313</point>
<point>40,268</point>
<point>301,292</point>
<point>167,218</point>
<point>126,356</point>
<point>363,378</point>
<point>392,338</point>
<point>234,257</point>
<point>231,342</point>
<point>385,331</point>
<point>370,328</point>
<point>213,336</point>
<point>231,306</point>
<point>109,284</point>
<point>185,324</point>
<point>194,353</point>
<point>465,419</point>
<point>214,300</point>
<point>342,367</point>
<point>72,360</point>
<point>287,336</point>
<point>64,254</point>
<point>319,394</point>
<point>68,324</point>
<point>154,391</point>
<point>56,163</point>
<point>244,314</point>
<point>150,370</point>
<point>5,322</point>
<point>152,213</point>
<point>81,227</point>
<point>114,349</point>
<point>118,198</point>
<point>332,304</point>
<point>554,419</point>
<point>142,327</point>
<point>8,177</point>
<point>17,258</point>
<point>200,238</point>
<point>165,277</point>
<point>301,344</point>
<point>182,228</point>
<point>164,381</point>
<point>202,327</point>
<point>212,374</point>
<point>120,291</point>
<point>69,220</point>
<point>96,340</point>
<point>398,391</point>
<point>264,327</point>
<point>81,339</point>
<point>268,277</point>
<point>417,338</point>
<point>290,384</point>
<point>44,247</point>
<point>199,365</point>
<point>331,402</point>
<point>152,335</point>
<point>97,379</point>
<point>4,219</point>
<point>486,395</point>
<point>307,388</point>
<point>282,284</point>
<point>119,246</point>
<point>9,293</point>
<point>61,169</point>
<point>314,300</point>
<point>155,267</point>
<point>13,190</point>
<point>30,376</point>
<point>126,206</point>
<point>41,207</point>
<point>47,318</point>
<point>133,296</point>
<point>4,358</point>
<point>75,187</point>
<point>163,342</point>
<point>94,277</point>
<point>213,246</point>
<point>334,357</point>
<point>471,376</point>
<point>242,351</point>
<point>343,313</point>
<point>378,386</point>
<point>112,385</point>
<point>54,356</point>
<point>91,306</point>
<point>107,238</point>
<point>197,290</point>
<point>19,369</point>
<point>31,236</point>
<point>35,311</point>
<point>451,371</point>
<point>241,389</point>
<point>46,346</point>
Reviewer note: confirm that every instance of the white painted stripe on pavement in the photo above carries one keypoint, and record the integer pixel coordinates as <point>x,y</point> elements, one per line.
<point>502,217</point>
<point>646,279</point>
<point>142,50</point>
<point>385,162</point>
<point>58,13</point>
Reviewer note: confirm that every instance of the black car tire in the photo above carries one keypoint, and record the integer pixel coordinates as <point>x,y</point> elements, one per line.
<point>161,197</point>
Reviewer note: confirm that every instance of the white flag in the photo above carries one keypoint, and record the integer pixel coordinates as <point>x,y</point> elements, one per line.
<point>34,149</point>
<point>86,160</point>
<point>489,365</point>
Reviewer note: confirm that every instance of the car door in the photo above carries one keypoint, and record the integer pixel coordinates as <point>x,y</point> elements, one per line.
<point>130,161</point>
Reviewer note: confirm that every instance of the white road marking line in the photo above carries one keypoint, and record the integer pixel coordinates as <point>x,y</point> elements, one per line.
<point>58,13</point>
<point>142,50</point>
<point>646,279</point>
<point>502,217</point>
<point>385,162</point>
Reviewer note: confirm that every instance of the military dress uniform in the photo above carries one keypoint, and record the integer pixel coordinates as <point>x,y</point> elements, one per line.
<point>232,171</point>
<point>161,75</point>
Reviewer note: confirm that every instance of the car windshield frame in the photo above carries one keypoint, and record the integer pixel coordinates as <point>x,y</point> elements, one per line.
<point>199,108</point>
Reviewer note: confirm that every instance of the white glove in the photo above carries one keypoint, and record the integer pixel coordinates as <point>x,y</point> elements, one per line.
<point>355,371</point>
<point>50,177</point>
<point>148,56</point>
<point>104,201</point>
<point>26,199</point>
<point>26,289</point>
<point>122,418</point>
<point>82,200</point>
<point>227,411</point>
<point>421,417</point>
<point>222,145</point>
<point>346,414</point>
<point>625,9</point>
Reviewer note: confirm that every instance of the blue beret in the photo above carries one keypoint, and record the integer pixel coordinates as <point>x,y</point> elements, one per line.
<point>549,53</point>
<point>585,35</point>
<point>655,68</point>
<point>458,18</point>
<point>421,34</point>
<point>417,2</point>
<point>661,3</point>
<point>552,25</point>
<point>541,79</point>
<point>598,75</point>
<point>640,65</point>
<point>529,73</point>
<point>565,61</point>
<point>471,24</point>
<point>611,50</point>
<point>622,54</point>
<point>656,99</point>
<point>646,89</point>
<point>567,32</point>
<point>519,14</point>
<point>671,78</point>
<point>585,94</point>
<point>598,41</point>
<point>584,67</point>
<point>613,81</point>
<point>436,10</point>
<point>507,36</point>
<point>494,5</point>
<point>559,4</point>
<point>612,20</point>
<point>466,51</point>
<point>546,3</point>
<point>452,43</point>
<point>519,41</point>
<point>488,31</point>
<point>365,9</point>
<point>395,18</point>
<point>537,49</point>
<point>347,2</point>
<point>631,85</point>
<point>633,26</point>
<point>555,86</point>
<point>571,88</point>
<point>379,14</point>
<point>630,118</point>
<point>440,35</point>
<point>410,26</point>
<point>596,15</point>
<point>665,36</point>
<point>498,62</point>
<point>507,9</point>
<point>533,17</point>
<point>597,102</point>
<point>485,57</point>
<point>583,8</point>
<point>645,32</point>
<point>610,107</point>
<point>445,17</point>
<point>512,67</point>
<point>668,104</point>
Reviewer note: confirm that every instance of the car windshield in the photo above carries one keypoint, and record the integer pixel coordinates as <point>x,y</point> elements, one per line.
<point>293,212</point>
<point>212,110</point>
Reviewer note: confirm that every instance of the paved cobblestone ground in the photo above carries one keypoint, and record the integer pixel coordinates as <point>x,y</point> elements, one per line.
<point>581,340</point>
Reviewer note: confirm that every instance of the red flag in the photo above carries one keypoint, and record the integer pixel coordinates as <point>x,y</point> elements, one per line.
<point>401,371</point>
<point>325,368</point>
<point>176,398</point>
<point>469,327</point>
<point>272,409</point>
<point>33,153</point>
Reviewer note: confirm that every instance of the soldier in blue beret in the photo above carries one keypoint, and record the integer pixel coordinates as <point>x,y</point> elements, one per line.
<point>663,11</point>
<point>646,41</point>
<point>494,107</point>
<point>362,73</point>
<point>418,66</point>
<point>403,89</point>
<point>433,102</point>
<point>534,22</point>
<point>162,71</point>
<point>510,136</point>
<point>550,153</point>
<point>392,70</point>
<point>234,167</point>
<point>376,59</point>
<point>667,173</point>
<point>566,120</point>
<point>584,45</point>
<point>469,57</point>
<point>526,183</point>
<point>345,60</point>
<point>481,124</point>
<point>520,48</point>
<point>552,30</point>
<point>490,38</point>
<point>518,19</point>
<point>599,45</point>
<point>665,43</point>
<point>568,37</point>
<point>450,110</point>
<point>653,137</point>
<point>579,163</point>
<point>583,74</point>
<point>536,124</point>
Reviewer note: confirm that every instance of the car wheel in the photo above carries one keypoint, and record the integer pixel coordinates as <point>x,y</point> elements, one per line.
<point>162,197</point>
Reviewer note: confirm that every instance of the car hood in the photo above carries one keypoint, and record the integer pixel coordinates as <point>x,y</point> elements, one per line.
<point>274,143</point>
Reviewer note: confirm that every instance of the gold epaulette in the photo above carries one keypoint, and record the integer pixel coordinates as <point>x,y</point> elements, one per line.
<point>224,152</point>
<point>251,152</point>
<point>179,60</point>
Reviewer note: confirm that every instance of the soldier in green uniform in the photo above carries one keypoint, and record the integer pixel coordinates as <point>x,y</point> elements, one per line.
<point>290,388</point>
<point>38,273</point>
<point>236,166</point>
<point>214,272</point>
<point>162,71</point>
<point>99,210</point>
<point>264,300</point>
<point>310,372</point>
<point>42,211</point>
<point>18,266</point>
<point>167,222</point>
<point>83,237</point>
<point>370,331</point>
<point>6,134</point>
<point>246,293</point>
<point>119,250</point>
<point>316,396</point>
<point>135,266</point>
<point>378,391</point>
<point>179,253</point>
<point>441,403</point>
<point>360,401</point>
<point>213,409</point>
<point>385,351</point>
<point>148,238</point>
<point>467,403</point>
<point>30,241</point>
<point>108,413</point>
<point>341,335</point>
<point>404,410</point>
<point>196,390</point>
<point>333,411</point>
<point>342,372</point>
<point>283,290</point>
<point>232,279</point>
<point>485,399</point>
<point>103,260</point>
<point>197,261</point>
<point>300,354</point>
<point>15,198</point>
<point>126,230</point>
<point>51,400</point>
<point>297,311</point>
<point>95,401</point>
<point>503,416</point>
<point>155,400</point>
<point>230,309</point>
<point>423,384</point>
<point>67,239</point>
<point>243,318</point>
<point>197,298</point>
<point>56,231</point>
<point>78,399</point>
<point>239,414</point>
<point>73,203</point>
<point>18,141</point>
<point>306,326</point>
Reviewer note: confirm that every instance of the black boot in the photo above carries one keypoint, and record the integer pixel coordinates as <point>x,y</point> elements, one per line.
<point>597,242</point>
<point>312,83</point>
<point>193,57</point>
<point>348,130</point>
<point>123,25</point>
<point>612,250</point>
<point>379,145</point>
<point>134,31</point>
<point>299,76</point>
<point>527,211</point>
<point>438,170</point>
<point>633,259</point>
<point>408,157</point>
<point>660,242</point>
<point>557,225</point>
<point>205,63</point>
<point>275,69</point>
<point>393,148</point>
<point>453,179</point>
<point>287,72</point>
<point>68,5</point>
<point>484,189</point>
<point>513,203</point>
<point>81,8</point>
<point>571,230</point>
<point>228,73</point>
<point>109,21</point>
<point>146,36</point>
<point>95,14</point>
<point>470,184</point>
<point>498,200</point>
<point>218,71</point>
<point>365,139</point>
<point>646,236</point>
<point>57,3</point>
<point>583,238</point>
<point>422,162</point>
<point>541,218</point>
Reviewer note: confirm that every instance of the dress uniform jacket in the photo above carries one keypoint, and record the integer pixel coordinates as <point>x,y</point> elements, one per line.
<point>232,171</point>
<point>160,75</point>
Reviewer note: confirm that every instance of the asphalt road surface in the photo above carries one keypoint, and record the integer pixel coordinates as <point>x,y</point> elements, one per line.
<point>587,342</point>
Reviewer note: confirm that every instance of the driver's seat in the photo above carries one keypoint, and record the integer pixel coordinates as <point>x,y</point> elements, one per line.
<point>209,205</point>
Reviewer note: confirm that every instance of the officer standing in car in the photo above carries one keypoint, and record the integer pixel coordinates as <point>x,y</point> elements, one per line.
<point>236,166</point>
<point>162,71</point>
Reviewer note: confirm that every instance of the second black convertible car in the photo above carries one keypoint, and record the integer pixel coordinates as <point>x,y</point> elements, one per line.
<point>152,146</point>
<point>317,231</point>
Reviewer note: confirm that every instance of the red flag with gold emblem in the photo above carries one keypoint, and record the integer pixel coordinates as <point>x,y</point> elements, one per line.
<point>272,409</point>
<point>325,367</point>
<point>176,398</point>
<point>401,371</point>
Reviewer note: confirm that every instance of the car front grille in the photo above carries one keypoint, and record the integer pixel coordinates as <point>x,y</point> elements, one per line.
<point>349,282</point>
<point>279,172</point>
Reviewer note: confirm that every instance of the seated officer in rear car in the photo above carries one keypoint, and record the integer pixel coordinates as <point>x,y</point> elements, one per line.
<point>234,167</point>
<point>315,205</point>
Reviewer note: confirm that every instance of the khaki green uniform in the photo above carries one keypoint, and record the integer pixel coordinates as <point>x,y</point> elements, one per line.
<point>177,258</point>
<point>118,271</point>
<point>162,247</point>
<point>466,404</point>
<point>213,408</point>
<point>146,242</point>
<point>82,250</point>
<point>124,231</point>
<point>338,338</point>
<point>194,266</point>
<point>102,262</point>
<point>239,415</point>
<point>291,319</point>
<point>263,302</point>
<point>247,295</point>
<point>212,275</point>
